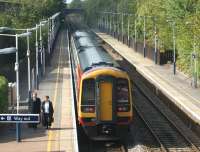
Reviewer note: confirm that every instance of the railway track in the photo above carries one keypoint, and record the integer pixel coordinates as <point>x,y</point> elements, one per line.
<point>158,119</point>
<point>102,146</point>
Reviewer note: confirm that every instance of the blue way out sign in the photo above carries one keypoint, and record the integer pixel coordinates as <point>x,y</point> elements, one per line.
<point>19,118</point>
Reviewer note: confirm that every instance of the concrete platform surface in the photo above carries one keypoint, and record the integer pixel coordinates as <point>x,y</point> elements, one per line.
<point>176,87</point>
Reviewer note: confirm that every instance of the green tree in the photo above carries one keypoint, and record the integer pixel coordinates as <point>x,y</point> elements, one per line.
<point>3,94</point>
<point>76,4</point>
<point>179,11</point>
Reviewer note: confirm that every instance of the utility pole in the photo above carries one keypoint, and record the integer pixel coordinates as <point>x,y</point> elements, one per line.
<point>36,58</point>
<point>128,30</point>
<point>173,24</point>
<point>122,26</point>
<point>155,41</point>
<point>144,49</point>
<point>110,23</point>
<point>135,26</point>
<point>29,67</point>
<point>174,47</point>
<point>194,59</point>
<point>18,126</point>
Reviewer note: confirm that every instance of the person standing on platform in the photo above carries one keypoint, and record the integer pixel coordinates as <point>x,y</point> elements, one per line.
<point>47,109</point>
<point>35,106</point>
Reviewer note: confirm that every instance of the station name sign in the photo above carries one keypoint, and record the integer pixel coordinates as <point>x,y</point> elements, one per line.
<point>19,118</point>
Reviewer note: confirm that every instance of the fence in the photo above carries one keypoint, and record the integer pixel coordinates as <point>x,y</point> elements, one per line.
<point>162,57</point>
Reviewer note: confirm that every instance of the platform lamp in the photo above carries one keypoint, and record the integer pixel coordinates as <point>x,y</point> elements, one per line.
<point>194,57</point>
<point>27,53</point>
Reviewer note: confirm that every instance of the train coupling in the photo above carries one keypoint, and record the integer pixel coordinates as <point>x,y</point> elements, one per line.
<point>106,129</point>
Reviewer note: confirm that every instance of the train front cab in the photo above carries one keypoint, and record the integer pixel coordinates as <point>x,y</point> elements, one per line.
<point>105,110</point>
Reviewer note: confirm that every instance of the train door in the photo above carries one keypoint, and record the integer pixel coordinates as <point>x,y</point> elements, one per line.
<point>105,101</point>
<point>105,96</point>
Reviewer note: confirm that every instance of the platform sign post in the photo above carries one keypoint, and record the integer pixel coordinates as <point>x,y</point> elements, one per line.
<point>18,119</point>
<point>18,127</point>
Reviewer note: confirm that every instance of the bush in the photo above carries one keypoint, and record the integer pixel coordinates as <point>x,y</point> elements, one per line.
<point>3,94</point>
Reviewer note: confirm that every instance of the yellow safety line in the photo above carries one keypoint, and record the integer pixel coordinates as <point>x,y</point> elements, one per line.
<point>50,133</point>
<point>122,149</point>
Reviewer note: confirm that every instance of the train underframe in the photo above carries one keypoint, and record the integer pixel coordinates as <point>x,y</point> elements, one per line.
<point>107,131</point>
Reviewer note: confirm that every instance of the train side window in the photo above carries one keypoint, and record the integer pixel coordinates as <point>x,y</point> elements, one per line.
<point>122,91</point>
<point>88,92</point>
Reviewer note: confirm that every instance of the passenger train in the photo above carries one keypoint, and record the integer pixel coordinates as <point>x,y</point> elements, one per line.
<point>103,89</point>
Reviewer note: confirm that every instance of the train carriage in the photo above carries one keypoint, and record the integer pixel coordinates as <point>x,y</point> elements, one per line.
<point>103,89</point>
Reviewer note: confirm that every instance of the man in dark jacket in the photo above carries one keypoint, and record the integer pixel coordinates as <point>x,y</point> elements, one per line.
<point>47,109</point>
<point>35,106</point>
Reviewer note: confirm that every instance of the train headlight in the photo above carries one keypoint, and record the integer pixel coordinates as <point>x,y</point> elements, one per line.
<point>122,108</point>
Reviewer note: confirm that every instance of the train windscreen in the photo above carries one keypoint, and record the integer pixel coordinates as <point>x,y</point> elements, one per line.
<point>122,91</point>
<point>88,95</point>
<point>122,95</point>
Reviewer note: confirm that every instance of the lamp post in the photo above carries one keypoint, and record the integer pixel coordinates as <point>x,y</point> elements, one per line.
<point>36,57</point>
<point>122,27</point>
<point>107,22</point>
<point>104,23</point>
<point>144,33</point>
<point>37,50</point>
<point>174,47</point>
<point>112,23</point>
<point>135,29</point>
<point>52,20</point>
<point>49,31</point>
<point>110,26</point>
<point>173,24</point>
<point>41,48</point>
<point>144,47</point>
<point>18,128</point>
<point>115,24</point>
<point>50,34</point>
<point>101,22</point>
<point>128,29</point>
<point>28,56</point>
<point>155,41</point>
<point>29,67</point>
<point>194,59</point>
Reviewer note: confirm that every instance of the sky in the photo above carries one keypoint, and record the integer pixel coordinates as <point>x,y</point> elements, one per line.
<point>69,1</point>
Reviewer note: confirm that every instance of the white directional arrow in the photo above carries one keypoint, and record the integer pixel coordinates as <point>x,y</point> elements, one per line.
<point>2,118</point>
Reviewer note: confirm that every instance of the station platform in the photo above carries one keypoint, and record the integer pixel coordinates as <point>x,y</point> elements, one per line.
<point>176,87</point>
<point>62,135</point>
